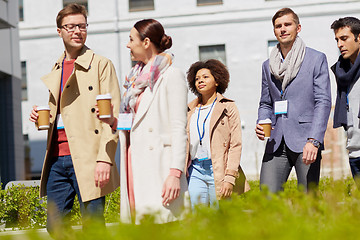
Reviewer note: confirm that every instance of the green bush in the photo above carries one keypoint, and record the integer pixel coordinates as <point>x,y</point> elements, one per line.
<point>331,212</point>
<point>21,207</point>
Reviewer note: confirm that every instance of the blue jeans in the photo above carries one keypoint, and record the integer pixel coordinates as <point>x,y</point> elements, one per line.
<point>61,189</point>
<point>355,167</point>
<point>201,183</point>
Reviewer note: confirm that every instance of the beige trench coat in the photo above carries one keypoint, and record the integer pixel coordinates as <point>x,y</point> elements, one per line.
<point>158,143</point>
<point>225,144</point>
<point>90,140</point>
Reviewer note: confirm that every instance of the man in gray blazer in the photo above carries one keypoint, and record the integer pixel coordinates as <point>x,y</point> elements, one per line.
<point>296,97</point>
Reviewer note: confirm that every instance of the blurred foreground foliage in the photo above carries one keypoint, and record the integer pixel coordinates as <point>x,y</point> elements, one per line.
<point>331,212</point>
<point>21,207</point>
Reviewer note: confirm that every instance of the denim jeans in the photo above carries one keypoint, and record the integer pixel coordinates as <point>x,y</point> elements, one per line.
<point>276,168</point>
<point>355,167</point>
<point>201,183</point>
<point>61,189</point>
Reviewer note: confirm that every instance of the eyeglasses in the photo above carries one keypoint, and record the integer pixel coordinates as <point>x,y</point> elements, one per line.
<point>71,27</point>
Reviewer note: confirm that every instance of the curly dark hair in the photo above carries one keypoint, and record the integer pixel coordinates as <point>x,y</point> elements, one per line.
<point>217,69</point>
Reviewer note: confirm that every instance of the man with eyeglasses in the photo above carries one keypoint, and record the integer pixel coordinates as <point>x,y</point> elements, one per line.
<point>80,156</point>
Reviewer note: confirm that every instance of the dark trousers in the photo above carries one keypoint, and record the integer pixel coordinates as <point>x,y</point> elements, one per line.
<point>62,187</point>
<point>276,168</point>
<point>355,167</point>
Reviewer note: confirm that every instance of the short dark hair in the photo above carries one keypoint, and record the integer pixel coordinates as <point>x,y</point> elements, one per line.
<point>217,69</point>
<point>70,9</point>
<point>283,12</point>
<point>352,22</point>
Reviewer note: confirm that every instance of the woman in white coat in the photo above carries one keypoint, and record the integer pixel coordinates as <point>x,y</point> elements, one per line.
<point>153,151</point>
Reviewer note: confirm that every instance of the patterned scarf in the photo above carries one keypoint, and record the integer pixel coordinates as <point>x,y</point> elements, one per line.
<point>286,70</point>
<point>142,76</point>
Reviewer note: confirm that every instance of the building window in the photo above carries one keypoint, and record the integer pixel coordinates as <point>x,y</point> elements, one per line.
<point>27,157</point>
<point>213,52</point>
<point>271,45</point>
<point>81,2</point>
<point>141,5</point>
<point>21,10</point>
<point>24,94</point>
<point>209,2</point>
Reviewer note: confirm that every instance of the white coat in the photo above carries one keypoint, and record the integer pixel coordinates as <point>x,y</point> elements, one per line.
<point>158,143</point>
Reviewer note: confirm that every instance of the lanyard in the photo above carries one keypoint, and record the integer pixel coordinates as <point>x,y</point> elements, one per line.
<point>62,75</point>
<point>201,136</point>
<point>281,94</point>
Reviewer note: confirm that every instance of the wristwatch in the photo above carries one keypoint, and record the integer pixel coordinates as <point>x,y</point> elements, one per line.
<point>314,142</point>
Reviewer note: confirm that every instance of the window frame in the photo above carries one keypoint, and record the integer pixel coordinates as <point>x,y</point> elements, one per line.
<point>139,9</point>
<point>85,3</point>
<point>213,2</point>
<point>213,46</point>
<point>24,84</point>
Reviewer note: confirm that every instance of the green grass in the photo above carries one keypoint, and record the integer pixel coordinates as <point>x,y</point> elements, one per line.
<point>331,212</point>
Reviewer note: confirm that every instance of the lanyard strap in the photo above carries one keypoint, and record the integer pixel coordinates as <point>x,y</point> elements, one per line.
<point>62,75</point>
<point>201,136</point>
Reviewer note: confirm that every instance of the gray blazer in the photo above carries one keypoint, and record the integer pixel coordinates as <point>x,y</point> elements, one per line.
<point>309,103</point>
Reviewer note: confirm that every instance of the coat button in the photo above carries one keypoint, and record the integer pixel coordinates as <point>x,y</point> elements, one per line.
<point>222,122</point>
<point>90,88</point>
<point>151,148</point>
<point>96,131</point>
<point>67,86</point>
<point>93,110</point>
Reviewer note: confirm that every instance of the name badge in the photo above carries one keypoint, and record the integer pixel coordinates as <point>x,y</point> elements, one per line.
<point>125,121</point>
<point>202,153</point>
<point>60,123</point>
<point>281,107</point>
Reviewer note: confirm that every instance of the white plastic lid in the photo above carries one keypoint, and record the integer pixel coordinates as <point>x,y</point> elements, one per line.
<point>39,108</point>
<point>265,121</point>
<point>103,96</point>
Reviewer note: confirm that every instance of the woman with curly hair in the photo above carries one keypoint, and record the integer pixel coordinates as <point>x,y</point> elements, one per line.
<point>214,136</point>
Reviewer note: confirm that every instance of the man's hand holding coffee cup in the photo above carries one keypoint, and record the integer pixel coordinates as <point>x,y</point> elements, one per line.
<point>263,129</point>
<point>40,115</point>
<point>109,120</point>
<point>33,114</point>
<point>260,132</point>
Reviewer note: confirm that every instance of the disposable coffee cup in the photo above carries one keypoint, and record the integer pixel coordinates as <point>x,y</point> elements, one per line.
<point>266,124</point>
<point>44,117</point>
<point>104,105</point>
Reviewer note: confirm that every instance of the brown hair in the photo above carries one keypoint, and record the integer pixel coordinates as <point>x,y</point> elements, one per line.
<point>217,69</point>
<point>152,29</point>
<point>283,12</point>
<point>70,9</point>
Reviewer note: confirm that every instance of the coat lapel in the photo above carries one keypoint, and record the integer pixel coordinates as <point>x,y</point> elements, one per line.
<point>83,61</point>
<point>219,109</point>
<point>52,80</point>
<point>145,102</point>
<point>217,112</point>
